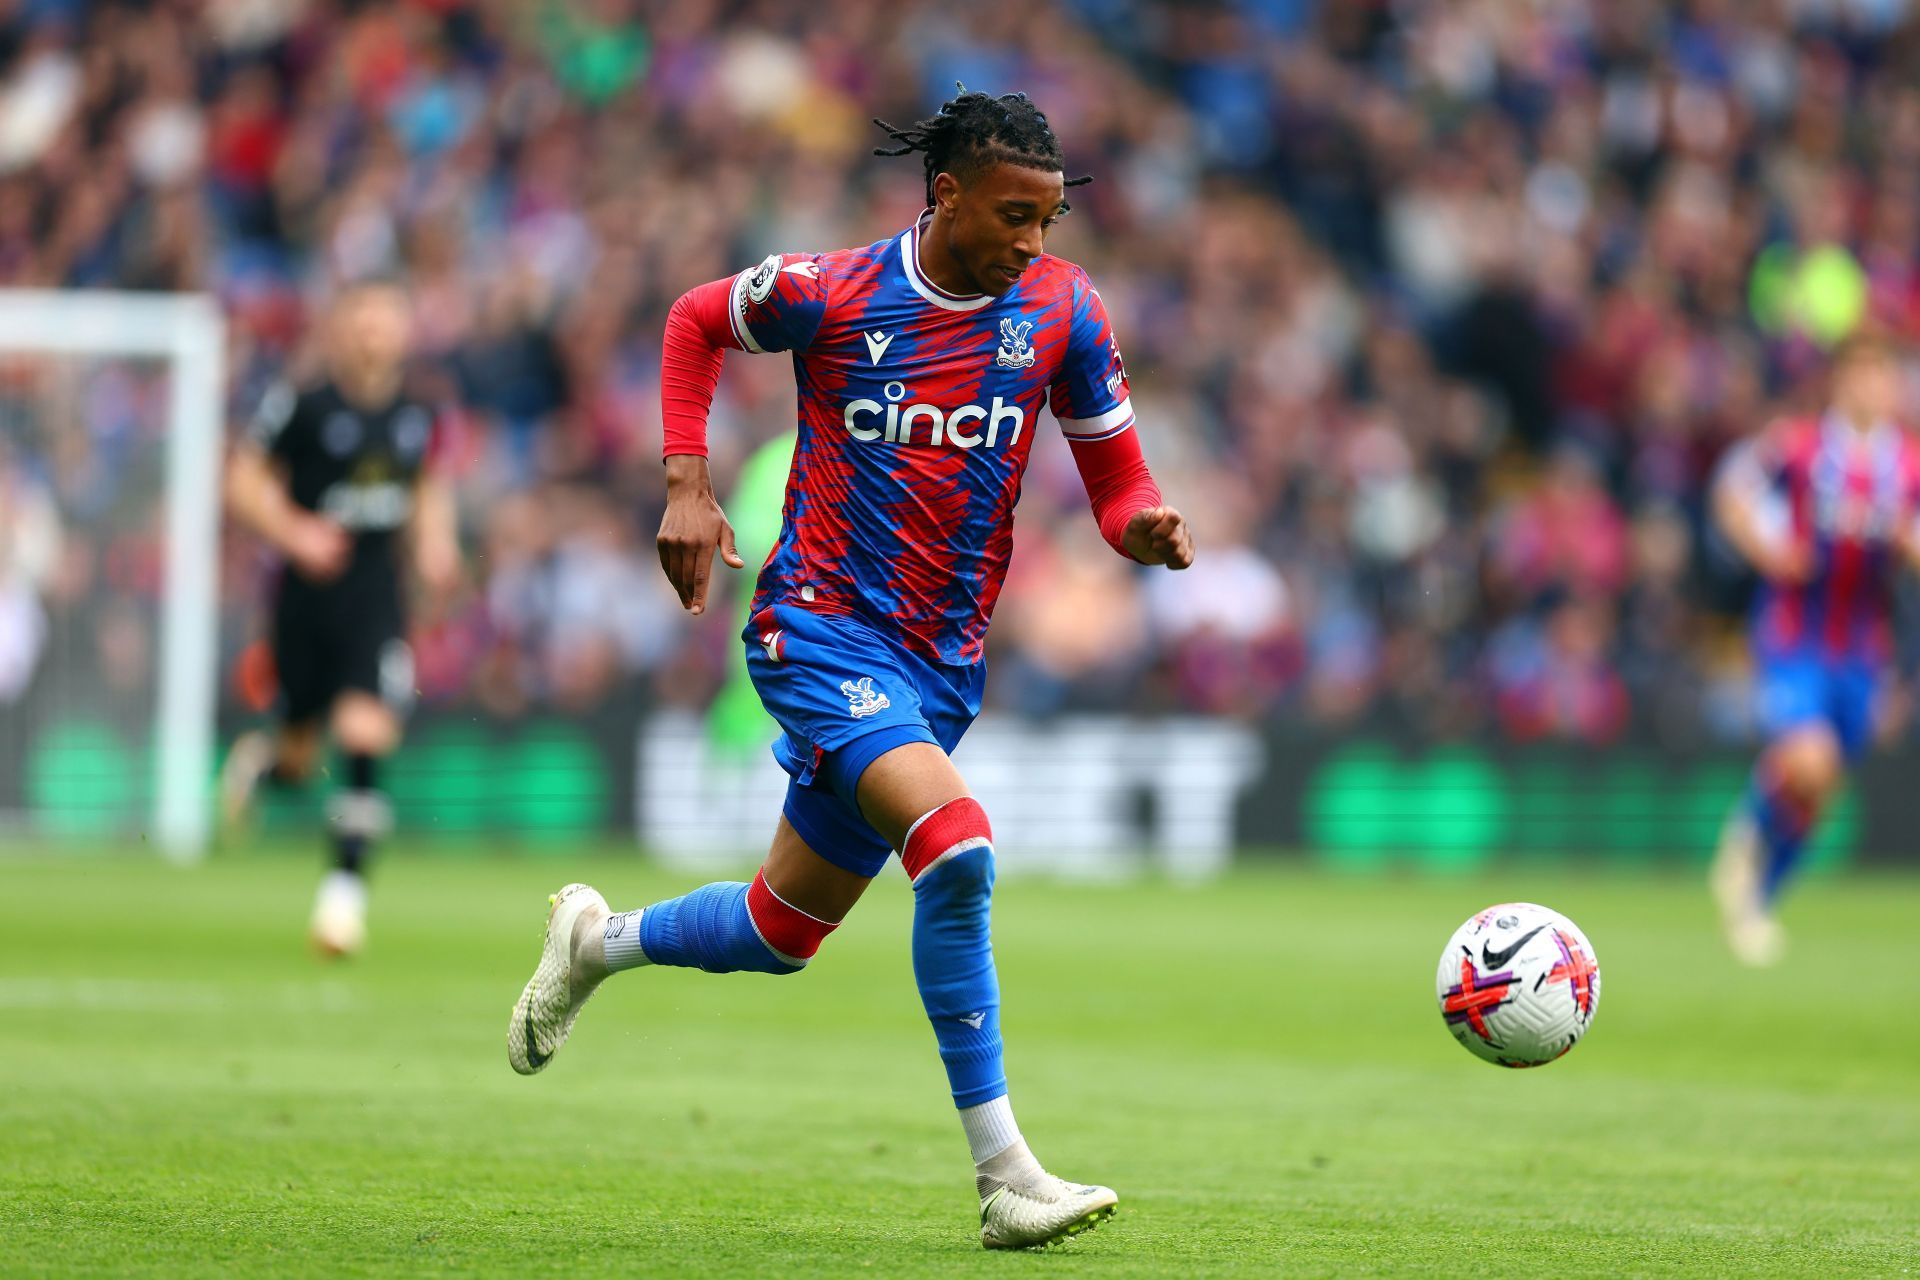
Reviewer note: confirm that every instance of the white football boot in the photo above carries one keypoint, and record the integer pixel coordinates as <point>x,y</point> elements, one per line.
<point>544,1014</point>
<point>1042,1213</point>
<point>1753,935</point>
<point>339,924</point>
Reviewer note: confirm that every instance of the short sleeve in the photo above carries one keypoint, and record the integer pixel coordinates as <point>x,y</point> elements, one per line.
<point>777,306</point>
<point>1089,394</point>
<point>271,427</point>
<point>1772,452</point>
<point>1757,472</point>
<point>420,438</point>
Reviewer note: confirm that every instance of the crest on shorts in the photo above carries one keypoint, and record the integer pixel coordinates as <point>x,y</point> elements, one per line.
<point>1014,352</point>
<point>862,700</point>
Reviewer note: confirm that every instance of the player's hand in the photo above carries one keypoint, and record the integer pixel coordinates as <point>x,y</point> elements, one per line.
<point>692,527</point>
<point>319,548</point>
<point>1788,562</point>
<point>1159,535</point>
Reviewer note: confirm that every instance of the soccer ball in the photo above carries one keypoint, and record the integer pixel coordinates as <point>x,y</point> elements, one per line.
<point>1518,984</point>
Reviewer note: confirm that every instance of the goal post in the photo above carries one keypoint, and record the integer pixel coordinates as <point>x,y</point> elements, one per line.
<point>186,331</point>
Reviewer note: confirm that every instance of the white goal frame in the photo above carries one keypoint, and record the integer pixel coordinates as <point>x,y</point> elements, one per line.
<point>189,332</point>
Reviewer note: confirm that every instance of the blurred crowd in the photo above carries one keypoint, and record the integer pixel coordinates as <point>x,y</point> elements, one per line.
<point>1438,315</point>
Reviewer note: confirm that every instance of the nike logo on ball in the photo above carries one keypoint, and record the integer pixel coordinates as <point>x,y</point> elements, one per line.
<point>1495,959</point>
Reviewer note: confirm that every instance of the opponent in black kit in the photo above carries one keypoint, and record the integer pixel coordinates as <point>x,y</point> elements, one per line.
<point>337,479</point>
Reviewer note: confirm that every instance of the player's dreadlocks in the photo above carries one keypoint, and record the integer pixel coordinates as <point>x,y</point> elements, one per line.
<point>973,132</point>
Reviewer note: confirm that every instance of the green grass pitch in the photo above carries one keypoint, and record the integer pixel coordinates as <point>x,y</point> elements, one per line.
<point>1256,1065</point>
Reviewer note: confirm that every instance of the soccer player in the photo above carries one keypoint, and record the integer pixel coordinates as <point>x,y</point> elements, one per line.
<point>922,362</point>
<point>332,477</point>
<point>1824,509</point>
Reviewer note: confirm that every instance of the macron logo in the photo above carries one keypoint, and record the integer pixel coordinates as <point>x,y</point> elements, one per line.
<point>974,1020</point>
<point>877,344</point>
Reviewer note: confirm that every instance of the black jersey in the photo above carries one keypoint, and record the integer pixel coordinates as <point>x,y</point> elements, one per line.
<point>356,466</point>
<point>359,468</point>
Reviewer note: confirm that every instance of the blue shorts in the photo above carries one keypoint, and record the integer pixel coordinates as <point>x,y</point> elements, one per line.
<point>1798,688</point>
<point>845,694</point>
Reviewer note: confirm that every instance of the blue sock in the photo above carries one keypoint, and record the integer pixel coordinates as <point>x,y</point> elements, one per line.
<point>953,965</point>
<point>708,929</point>
<point>1783,829</point>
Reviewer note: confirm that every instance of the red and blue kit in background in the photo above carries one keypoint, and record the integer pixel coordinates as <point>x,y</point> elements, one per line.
<point>918,410</point>
<point>1822,647</point>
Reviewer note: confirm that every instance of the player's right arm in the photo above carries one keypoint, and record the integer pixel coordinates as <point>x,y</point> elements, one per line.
<point>1092,399</point>
<point>1746,506</point>
<point>775,306</point>
<point>256,493</point>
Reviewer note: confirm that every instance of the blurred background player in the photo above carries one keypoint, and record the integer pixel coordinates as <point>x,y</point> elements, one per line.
<point>333,477</point>
<point>922,363</point>
<point>1824,509</point>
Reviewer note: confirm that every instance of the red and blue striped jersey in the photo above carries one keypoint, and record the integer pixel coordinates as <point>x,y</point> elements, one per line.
<point>917,414</point>
<point>1849,497</point>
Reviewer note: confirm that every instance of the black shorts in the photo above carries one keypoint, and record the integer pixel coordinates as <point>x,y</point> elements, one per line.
<point>347,635</point>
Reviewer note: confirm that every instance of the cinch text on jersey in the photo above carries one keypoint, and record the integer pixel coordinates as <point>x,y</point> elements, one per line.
<point>869,420</point>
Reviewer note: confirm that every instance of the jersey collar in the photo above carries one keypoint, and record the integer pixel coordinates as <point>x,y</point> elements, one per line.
<point>910,260</point>
<point>1879,437</point>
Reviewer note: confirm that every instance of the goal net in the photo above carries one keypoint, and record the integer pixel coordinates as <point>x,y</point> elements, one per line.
<point>110,429</point>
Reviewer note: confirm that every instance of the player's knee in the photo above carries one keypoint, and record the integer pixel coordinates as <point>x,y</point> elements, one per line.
<point>1809,764</point>
<point>363,738</point>
<point>296,755</point>
<point>952,846</point>
<point>364,726</point>
<point>294,769</point>
<point>790,937</point>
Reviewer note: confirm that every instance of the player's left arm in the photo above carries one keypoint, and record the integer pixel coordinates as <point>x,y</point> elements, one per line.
<point>435,532</point>
<point>1092,399</point>
<point>433,528</point>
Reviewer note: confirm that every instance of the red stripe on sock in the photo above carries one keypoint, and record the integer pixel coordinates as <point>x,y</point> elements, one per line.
<point>953,823</point>
<point>788,930</point>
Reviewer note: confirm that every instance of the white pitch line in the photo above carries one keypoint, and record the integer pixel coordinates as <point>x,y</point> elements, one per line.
<point>137,995</point>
